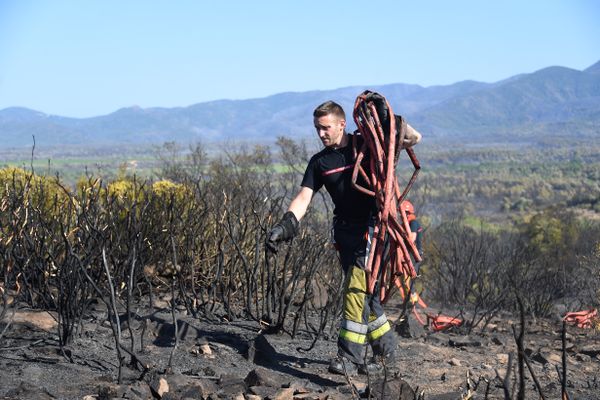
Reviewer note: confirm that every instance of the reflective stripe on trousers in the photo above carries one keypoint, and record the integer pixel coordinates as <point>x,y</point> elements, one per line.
<point>364,320</point>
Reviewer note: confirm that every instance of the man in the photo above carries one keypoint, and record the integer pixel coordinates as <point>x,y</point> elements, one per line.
<point>416,230</point>
<point>416,236</point>
<point>364,320</point>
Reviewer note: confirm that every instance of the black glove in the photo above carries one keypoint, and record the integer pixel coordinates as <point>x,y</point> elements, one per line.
<point>382,109</point>
<point>285,229</point>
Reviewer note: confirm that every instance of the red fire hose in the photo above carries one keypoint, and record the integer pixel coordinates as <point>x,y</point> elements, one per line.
<point>375,161</point>
<point>583,319</point>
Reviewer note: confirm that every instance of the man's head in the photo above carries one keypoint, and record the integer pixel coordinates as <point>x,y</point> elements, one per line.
<point>330,123</point>
<point>409,209</point>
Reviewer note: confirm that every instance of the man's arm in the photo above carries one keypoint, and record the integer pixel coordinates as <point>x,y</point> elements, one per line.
<point>301,202</point>
<point>287,228</point>
<point>413,236</point>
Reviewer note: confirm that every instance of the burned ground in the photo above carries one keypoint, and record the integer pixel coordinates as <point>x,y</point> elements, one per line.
<point>231,359</point>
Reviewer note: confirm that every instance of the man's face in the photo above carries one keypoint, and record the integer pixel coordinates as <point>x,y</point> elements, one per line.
<point>330,129</point>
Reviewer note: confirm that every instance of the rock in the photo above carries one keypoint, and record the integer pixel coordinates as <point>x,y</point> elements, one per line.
<point>231,385</point>
<point>348,391</point>
<point>583,357</point>
<point>446,396</point>
<point>466,341</point>
<point>573,363</point>
<point>396,389</point>
<point>284,394</point>
<point>555,358</point>
<point>304,386</point>
<point>162,303</point>
<point>159,386</point>
<point>108,391</point>
<point>492,327</point>
<point>591,350</point>
<point>205,349</point>
<point>537,356</point>
<point>543,356</point>
<point>205,387</point>
<point>497,341</point>
<point>454,362</point>
<point>181,386</point>
<point>263,392</point>
<point>410,328</point>
<point>332,394</point>
<point>260,351</point>
<point>263,377</point>
<point>138,390</point>
<point>135,391</point>
<point>568,336</point>
<point>593,369</point>
<point>502,358</point>
<point>309,396</point>
<point>89,397</point>
<point>253,397</point>
<point>569,346</point>
<point>35,319</point>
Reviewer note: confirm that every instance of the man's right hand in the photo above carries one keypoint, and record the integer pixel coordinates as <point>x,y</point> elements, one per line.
<point>285,229</point>
<point>273,238</point>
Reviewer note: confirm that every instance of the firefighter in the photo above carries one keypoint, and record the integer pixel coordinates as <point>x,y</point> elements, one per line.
<point>416,236</point>
<point>416,230</point>
<point>364,321</point>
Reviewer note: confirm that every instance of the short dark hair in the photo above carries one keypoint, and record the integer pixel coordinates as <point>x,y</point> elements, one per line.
<point>329,107</point>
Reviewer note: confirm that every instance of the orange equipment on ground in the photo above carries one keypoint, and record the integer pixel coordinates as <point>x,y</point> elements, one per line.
<point>436,323</point>
<point>583,319</point>
<point>441,322</point>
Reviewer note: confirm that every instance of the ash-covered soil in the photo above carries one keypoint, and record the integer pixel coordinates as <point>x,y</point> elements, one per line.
<point>234,360</point>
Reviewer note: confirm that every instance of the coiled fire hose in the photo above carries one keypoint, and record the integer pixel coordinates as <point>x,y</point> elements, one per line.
<point>389,260</point>
<point>383,135</point>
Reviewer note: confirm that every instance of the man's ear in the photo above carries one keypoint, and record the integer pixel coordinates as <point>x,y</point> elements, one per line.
<point>343,123</point>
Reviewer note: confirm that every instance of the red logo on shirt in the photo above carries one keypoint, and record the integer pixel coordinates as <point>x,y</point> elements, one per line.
<point>336,170</point>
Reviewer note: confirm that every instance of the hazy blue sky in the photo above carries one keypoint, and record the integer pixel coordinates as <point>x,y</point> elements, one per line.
<point>86,58</point>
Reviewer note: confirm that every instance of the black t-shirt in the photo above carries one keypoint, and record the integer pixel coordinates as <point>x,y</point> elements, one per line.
<point>333,168</point>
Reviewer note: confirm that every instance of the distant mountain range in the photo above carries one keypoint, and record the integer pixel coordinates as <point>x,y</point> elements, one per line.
<point>555,102</point>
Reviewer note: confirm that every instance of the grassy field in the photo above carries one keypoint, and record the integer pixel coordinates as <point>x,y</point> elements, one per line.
<point>488,184</point>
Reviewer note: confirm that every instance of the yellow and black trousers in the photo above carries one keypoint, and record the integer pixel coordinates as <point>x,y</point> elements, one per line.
<point>363,321</point>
